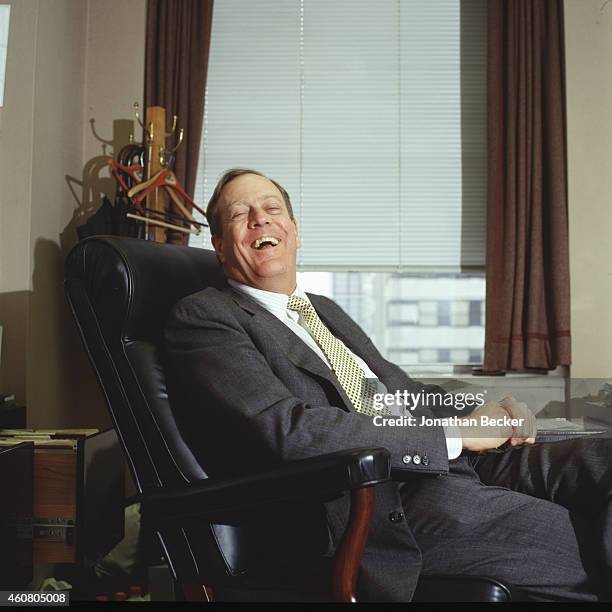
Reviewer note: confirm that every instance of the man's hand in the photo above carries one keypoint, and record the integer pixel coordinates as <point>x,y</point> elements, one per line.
<point>525,433</point>
<point>482,438</point>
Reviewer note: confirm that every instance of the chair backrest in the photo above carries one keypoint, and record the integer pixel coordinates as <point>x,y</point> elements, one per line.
<point>121,291</point>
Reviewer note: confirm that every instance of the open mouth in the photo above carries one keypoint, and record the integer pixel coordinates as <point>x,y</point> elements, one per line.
<point>265,242</point>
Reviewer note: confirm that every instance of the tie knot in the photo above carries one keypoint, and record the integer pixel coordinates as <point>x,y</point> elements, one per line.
<point>299,304</point>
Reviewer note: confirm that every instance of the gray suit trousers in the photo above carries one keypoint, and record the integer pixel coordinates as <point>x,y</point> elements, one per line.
<point>537,516</point>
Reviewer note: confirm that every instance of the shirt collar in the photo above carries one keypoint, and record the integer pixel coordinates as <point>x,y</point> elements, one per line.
<point>276,303</point>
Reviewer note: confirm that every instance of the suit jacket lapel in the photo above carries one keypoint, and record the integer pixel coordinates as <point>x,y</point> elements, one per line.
<point>296,350</point>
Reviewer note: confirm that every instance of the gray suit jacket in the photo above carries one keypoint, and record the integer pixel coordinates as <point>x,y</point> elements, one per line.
<point>258,395</point>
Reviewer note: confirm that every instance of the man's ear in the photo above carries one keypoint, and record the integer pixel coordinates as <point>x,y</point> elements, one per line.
<point>218,246</point>
<point>298,240</point>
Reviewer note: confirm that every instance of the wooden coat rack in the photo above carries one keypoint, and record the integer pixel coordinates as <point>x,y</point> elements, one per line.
<point>156,136</point>
<point>157,158</point>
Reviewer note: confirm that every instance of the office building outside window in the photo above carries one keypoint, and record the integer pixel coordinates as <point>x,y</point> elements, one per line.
<point>413,319</point>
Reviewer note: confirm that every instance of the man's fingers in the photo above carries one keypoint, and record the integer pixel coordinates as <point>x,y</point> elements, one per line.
<point>508,402</point>
<point>531,425</point>
<point>523,413</point>
<point>524,433</point>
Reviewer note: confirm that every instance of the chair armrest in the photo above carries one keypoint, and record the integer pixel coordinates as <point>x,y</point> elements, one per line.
<point>313,477</point>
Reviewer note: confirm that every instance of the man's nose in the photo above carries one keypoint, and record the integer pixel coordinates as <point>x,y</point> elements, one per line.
<point>258,218</point>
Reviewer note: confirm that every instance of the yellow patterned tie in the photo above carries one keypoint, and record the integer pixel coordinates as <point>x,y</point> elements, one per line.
<point>350,376</point>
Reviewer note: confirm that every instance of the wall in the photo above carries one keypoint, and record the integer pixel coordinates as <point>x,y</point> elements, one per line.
<point>115,73</point>
<point>16,144</point>
<point>69,61</point>
<point>588,42</point>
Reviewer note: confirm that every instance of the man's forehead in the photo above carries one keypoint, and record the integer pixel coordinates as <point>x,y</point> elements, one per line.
<point>249,187</point>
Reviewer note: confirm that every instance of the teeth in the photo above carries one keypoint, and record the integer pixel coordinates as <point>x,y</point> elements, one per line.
<point>260,241</point>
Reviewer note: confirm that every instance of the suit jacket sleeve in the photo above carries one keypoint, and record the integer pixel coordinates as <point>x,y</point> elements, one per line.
<point>215,358</point>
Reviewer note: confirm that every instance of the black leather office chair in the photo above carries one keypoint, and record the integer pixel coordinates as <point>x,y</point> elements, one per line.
<point>216,543</point>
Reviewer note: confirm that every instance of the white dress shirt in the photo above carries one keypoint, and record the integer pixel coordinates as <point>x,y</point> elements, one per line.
<point>276,304</point>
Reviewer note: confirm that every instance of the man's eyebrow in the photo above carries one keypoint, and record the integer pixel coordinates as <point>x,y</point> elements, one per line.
<point>237,203</point>
<point>264,197</point>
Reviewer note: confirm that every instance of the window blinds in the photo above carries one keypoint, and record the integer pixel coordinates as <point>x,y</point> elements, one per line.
<point>371,114</point>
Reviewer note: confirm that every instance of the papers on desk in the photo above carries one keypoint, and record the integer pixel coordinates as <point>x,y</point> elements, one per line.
<point>560,424</point>
<point>45,438</point>
<point>552,430</point>
<point>58,433</point>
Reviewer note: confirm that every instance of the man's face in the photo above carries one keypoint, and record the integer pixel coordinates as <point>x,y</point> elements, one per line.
<point>258,239</point>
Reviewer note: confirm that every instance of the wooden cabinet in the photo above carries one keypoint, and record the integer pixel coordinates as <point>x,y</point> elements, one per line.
<point>56,491</point>
<point>78,493</point>
<point>16,485</point>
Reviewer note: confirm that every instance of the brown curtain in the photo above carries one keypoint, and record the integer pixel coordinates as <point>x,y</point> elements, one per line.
<point>527,304</point>
<point>177,47</point>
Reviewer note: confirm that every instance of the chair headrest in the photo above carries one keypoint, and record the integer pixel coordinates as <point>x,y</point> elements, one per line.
<point>139,281</point>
